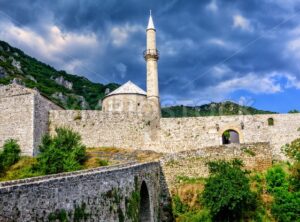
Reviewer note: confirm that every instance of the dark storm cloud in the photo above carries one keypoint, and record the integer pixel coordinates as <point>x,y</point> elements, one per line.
<point>208,48</point>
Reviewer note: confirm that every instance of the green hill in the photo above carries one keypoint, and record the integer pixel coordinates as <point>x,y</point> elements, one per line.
<point>68,91</point>
<point>212,109</point>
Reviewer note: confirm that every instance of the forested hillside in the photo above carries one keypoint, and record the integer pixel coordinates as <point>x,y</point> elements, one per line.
<point>69,91</point>
<point>212,109</point>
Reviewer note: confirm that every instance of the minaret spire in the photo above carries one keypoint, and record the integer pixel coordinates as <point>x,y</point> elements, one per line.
<point>151,56</point>
<point>150,23</point>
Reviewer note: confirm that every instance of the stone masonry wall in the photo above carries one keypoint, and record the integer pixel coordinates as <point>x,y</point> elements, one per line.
<point>179,134</point>
<point>42,106</point>
<point>103,129</point>
<point>103,194</point>
<point>256,156</point>
<point>24,116</point>
<point>16,121</point>
<point>176,134</point>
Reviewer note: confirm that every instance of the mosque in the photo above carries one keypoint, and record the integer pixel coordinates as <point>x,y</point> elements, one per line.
<point>129,97</point>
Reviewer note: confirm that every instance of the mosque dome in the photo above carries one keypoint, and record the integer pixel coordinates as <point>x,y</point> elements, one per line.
<point>127,98</point>
<point>128,88</point>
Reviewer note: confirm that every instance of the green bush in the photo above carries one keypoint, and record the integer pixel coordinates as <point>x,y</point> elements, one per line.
<point>58,215</point>
<point>227,191</point>
<point>9,155</point>
<point>61,153</point>
<point>286,190</point>
<point>103,162</point>
<point>178,206</point>
<point>286,205</point>
<point>197,216</point>
<point>293,151</point>
<point>276,177</point>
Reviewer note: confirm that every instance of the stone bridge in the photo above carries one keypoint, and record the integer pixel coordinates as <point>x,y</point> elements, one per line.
<point>128,192</point>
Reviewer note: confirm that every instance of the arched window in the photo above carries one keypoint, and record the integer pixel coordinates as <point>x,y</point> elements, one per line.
<point>270,122</point>
<point>230,136</point>
<point>145,212</point>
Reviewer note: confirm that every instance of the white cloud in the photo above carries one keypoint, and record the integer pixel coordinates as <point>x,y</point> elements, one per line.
<point>212,6</point>
<point>121,34</point>
<point>256,83</point>
<point>174,47</point>
<point>56,47</point>
<point>216,41</point>
<point>221,43</point>
<point>242,23</point>
<point>251,82</point>
<point>122,69</point>
<point>292,81</point>
<point>73,66</point>
<point>220,71</point>
<point>293,47</point>
<point>285,4</point>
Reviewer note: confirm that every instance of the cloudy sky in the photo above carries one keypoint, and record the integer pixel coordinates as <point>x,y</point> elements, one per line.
<point>211,50</point>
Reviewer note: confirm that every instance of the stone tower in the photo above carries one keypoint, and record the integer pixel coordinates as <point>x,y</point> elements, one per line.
<point>151,56</point>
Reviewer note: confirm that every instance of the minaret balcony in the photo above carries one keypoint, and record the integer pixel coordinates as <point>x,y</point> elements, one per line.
<point>151,53</point>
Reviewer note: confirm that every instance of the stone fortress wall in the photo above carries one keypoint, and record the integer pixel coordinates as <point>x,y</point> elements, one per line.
<point>24,116</point>
<point>178,134</point>
<point>103,194</point>
<point>129,130</point>
<point>102,129</point>
<point>192,163</point>
<point>16,118</point>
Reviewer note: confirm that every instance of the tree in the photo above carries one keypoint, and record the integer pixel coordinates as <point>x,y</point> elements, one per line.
<point>294,111</point>
<point>286,204</point>
<point>10,154</point>
<point>60,153</point>
<point>227,191</point>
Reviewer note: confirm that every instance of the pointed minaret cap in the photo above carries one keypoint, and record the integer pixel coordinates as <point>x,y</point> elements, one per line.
<point>150,23</point>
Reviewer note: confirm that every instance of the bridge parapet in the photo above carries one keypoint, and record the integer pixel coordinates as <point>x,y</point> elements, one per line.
<point>102,194</point>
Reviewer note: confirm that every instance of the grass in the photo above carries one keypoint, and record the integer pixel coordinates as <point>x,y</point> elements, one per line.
<point>120,155</point>
<point>189,180</point>
<point>22,169</point>
<point>96,157</point>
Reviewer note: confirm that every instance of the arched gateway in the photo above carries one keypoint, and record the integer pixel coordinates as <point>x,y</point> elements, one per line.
<point>145,211</point>
<point>230,136</point>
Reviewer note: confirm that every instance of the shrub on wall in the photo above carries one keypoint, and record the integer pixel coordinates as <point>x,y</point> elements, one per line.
<point>9,155</point>
<point>61,153</point>
<point>227,191</point>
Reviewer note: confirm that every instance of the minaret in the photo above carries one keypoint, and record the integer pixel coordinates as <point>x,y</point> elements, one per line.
<point>151,56</point>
